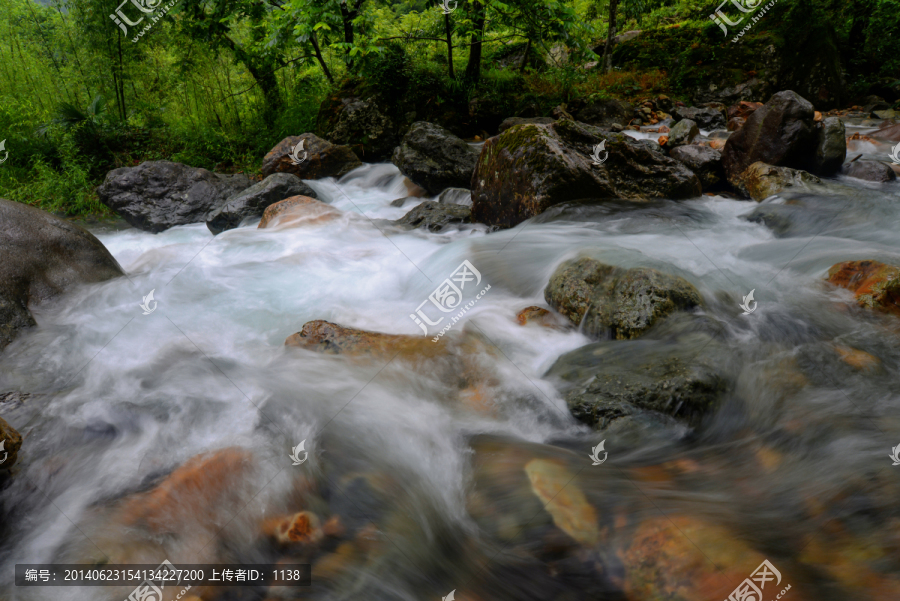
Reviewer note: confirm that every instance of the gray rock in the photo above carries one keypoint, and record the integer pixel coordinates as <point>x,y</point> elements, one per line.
<point>434,158</point>
<point>705,162</point>
<point>620,303</point>
<point>402,201</point>
<point>605,113</point>
<point>157,195</point>
<point>682,133</point>
<point>683,375</point>
<point>254,200</point>
<point>873,171</point>
<point>760,181</point>
<point>513,121</point>
<point>41,257</point>
<point>529,168</point>
<point>705,117</point>
<point>319,158</point>
<point>780,133</point>
<point>435,216</point>
<point>831,148</point>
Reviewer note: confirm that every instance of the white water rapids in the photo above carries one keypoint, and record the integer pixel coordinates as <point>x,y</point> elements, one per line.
<point>131,396</point>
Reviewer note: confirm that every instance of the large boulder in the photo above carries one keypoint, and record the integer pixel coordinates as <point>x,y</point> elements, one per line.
<point>605,113</point>
<point>513,121</point>
<point>255,199</point>
<point>157,195</point>
<point>683,132</point>
<point>705,162</point>
<point>298,210</point>
<point>873,171</point>
<point>318,158</point>
<point>435,216</point>
<point>529,168</point>
<point>781,133</point>
<point>831,145</point>
<point>42,256</point>
<point>874,285</point>
<point>760,181</point>
<point>434,158</point>
<point>620,303</point>
<point>705,117</point>
<point>10,443</point>
<point>367,128</point>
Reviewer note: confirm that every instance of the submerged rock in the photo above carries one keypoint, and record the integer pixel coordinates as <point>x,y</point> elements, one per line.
<point>157,195</point>
<point>802,215</point>
<point>298,210</point>
<point>41,257</point>
<point>760,181</point>
<point>319,158</point>
<point>435,216</point>
<point>875,285</point>
<point>434,158</point>
<point>551,481</point>
<point>10,443</point>
<point>780,133</point>
<point>621,303</point>
<point>256,199</point>
<point>529,168</point>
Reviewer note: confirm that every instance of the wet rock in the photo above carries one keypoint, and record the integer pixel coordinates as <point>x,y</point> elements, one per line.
<point>888,134</point>
<point>435,216</point>
<point>10,443</point>
<point>41,257</point>
<point>542,317</point>
<point>530,168</point>
<point>780,133</point>
<point>831,148</point>
<point>871,171</point>
<point>255,199</point>
<point>434,158</point>
<point>157,195</point>
<point>513,121</point>
<point>735,123</point>
<point>705,162</point>
<point>875,285</point>
<point>742,109</point>
<point>621,303</point>
<point>552,482</point>
<point>456,196</point>
<point>645,382</point>
<point>400,202</point>
<point>366,127</point>
<point>802,215</point>
<point>705,118</point>
<point>330,338</point>
<point>322,158</point>
<point>683,132</point>
<point>857,359</point>
<point>298,210</point>
<point>301,528</point>
<point>605,113</point>
<point>760,181</point>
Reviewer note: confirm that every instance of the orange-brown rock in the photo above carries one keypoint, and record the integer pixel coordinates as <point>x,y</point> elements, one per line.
<point>558,491</point>
<point>742,109</point>
<point>817,116</point>
<point>298,210</point>
<point>302,527</point>
<point>856,564</point>
<point>11,443</point>
<point>875,285</point>
<point>320,158</point>
<point>717,144</point>
<point>663,140</point>
<point>414,189</point>
<point>542,317</point>
<point>671,557</point>
<point>188,495</point>
<point>857,359</point>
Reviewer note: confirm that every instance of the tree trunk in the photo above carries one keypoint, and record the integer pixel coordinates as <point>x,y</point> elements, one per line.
<point>449,44</point>
<point>473,69</point>
<point>607,50</point>
<point>315,42</point>
<point>347,16</point>
<point>525,56</point>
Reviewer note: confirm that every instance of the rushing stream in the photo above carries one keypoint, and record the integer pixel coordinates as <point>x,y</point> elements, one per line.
<point>794,464</point>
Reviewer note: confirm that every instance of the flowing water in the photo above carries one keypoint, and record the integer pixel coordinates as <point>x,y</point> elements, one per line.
<point>794,464</point>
